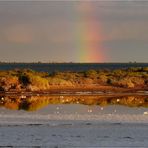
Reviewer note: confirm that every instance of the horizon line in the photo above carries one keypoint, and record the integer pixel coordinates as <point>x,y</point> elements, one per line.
<point>40,62</point>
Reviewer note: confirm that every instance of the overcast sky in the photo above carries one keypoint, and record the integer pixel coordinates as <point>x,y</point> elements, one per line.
<point>49,31</point>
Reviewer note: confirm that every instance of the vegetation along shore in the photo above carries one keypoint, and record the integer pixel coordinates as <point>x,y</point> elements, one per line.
<point>120,80</point>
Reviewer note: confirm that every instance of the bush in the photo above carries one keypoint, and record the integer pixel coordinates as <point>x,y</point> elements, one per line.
<point>125,82</point>
<point>119,73</point>
<point>24,79</point>
<point>38,82</point>
<point>90,74</point>
<point>9,82</point>
<point>145,69</point>
<point>103,78</point>
<point>59,81</point>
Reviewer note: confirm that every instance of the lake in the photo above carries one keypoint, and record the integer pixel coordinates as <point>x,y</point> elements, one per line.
<point>53,67</point>
<point>73,121</point>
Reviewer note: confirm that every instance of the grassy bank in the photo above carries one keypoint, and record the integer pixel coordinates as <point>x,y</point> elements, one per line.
<point>29,80</point>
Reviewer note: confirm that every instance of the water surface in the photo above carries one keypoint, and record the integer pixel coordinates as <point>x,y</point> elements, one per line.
<point>73,121</point>
<point>53,67</point>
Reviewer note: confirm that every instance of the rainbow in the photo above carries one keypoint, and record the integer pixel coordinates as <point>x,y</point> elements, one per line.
<point>88,35</point>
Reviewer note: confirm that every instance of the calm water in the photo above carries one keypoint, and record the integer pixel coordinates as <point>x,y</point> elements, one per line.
<point>74,104</point>
<point>70,66</point>
<point>46,121</point>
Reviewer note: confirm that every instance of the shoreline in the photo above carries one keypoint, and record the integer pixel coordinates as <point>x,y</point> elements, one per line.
<point>74,93</point>
<point>101,91</point>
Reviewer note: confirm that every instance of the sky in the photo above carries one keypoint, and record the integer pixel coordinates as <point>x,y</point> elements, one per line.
<point>73,31</point>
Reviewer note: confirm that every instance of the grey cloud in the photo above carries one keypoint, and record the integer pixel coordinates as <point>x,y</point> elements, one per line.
<point>47,31</point>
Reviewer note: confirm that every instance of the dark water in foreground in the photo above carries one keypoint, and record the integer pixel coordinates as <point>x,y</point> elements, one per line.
<point>69,66</point>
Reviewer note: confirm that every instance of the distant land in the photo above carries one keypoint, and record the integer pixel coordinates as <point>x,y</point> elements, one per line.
<point>56,62</point>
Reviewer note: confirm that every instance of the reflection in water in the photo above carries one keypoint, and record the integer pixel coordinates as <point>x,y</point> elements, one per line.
<point>33,103</point>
